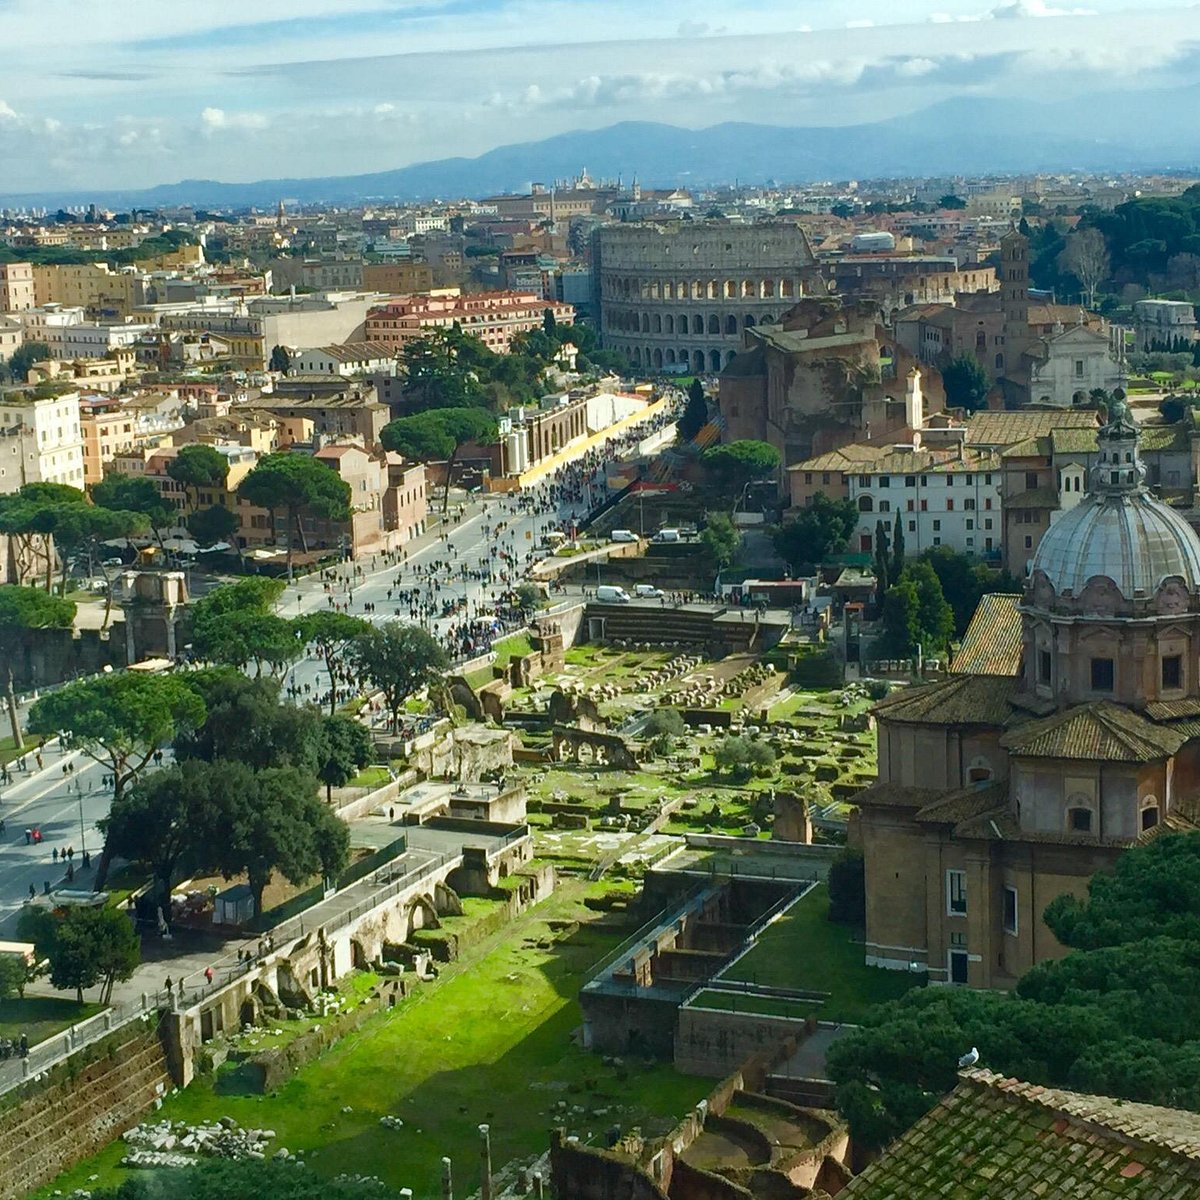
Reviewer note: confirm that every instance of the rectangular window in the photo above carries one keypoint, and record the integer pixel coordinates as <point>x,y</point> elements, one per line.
<point>970,523</point>
<point>864,481</point>
<point>949,480</point>
<point>912,527</point>
<point>1172,671</point>
<point>987,502</point>
<point>1079,368</point>
<point>1031,480</point>
<point>937,526</point>
<point>924,505</point>
<point>956,893</point>
<point>1029,543</point>
<point>1043,666</point>
<point>808,477</point>
<point>969,505</point>
<point>987,479</point>
<point>1010,910</point>
<point>1102,674</point>
<point>911,505</point>
<point>885,481</point>
<point>910,481</point>
<point>824,476</point>
<point>970,480</point>
<point>949,505</point>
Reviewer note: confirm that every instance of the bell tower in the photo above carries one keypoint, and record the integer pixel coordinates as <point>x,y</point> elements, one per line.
<point>1014,296</point>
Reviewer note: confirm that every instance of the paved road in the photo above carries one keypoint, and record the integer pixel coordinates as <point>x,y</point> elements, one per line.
<point>50,800</point>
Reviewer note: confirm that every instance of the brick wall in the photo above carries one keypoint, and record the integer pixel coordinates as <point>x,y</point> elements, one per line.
<point>80,1107</point>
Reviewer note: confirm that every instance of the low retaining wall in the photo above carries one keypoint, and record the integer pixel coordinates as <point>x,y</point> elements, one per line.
<point>711,1042</point>
<point>83,1104</point>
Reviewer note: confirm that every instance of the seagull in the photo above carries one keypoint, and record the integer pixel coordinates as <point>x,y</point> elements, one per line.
<point>969,1059</point>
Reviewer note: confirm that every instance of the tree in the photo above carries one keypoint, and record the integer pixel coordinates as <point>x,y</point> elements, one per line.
<point>127,493</point>
<point>1086,257</point>
<point>966,383</point>
<point>85,527</point>
<point>740,757</point>
<point>896,565</point>
<point>549,324</point>
<point>332,633</point>
<point>254,594</point>
<point>695,415</point>
<point>15,973</point>
<point>961,583</point>
<point>29,516</point>
<point>120,721</point>
<point>736,464</point>
<point>441,369</point>
<point>721,540</point>
<point>951,201</point>
<point>1173,409</point>
<point>297,483</point>
<point>273,820</point>
<point>820,529</point>
<point>347,747</point>
<point>23,609</point>
<point>159,822</point>
<point>94,946</point>
<point>399,660</point>
<point>882,559</point>
<point>663,726</point>
<point>439,434</point>
<point>23,357</point>
<point>238,639</point>
<point>528,596</point>
<point>281,360</point>
<point>212,525</point>
<point>901,622</point>
<point>198,466</point>
<point>39,927</point>
<point>935,618</point>
<point>230,1179</point>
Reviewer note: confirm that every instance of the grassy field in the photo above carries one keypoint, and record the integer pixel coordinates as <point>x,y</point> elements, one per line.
<point>510,648</point>
<point>765,1006</point>
<point>435,1062</point>
<point>371,777</point>
<point>40,1017</point>
<point>807,951</point>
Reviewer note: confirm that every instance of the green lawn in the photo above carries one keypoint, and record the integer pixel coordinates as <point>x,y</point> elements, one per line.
<point>371,777</point>
<point>513,647</point>
<point>40,1017</point>
<point>807,951</point>
<point>490,1041</point>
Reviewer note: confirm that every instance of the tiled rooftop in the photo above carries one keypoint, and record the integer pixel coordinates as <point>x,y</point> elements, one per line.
<point>955,700</point>
<point>1001,1139</point>
<point>992,643</point>
<point>1101,731</point>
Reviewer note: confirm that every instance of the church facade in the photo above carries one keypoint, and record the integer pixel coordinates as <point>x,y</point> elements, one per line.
<point>1068,730</point>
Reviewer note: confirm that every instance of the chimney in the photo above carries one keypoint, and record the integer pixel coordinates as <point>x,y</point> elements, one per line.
<point>914,401</point>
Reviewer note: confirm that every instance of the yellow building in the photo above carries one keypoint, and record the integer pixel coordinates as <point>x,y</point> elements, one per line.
<point>86,285</point>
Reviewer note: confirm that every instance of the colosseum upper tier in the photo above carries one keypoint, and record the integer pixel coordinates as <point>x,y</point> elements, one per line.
<point>683,294</point>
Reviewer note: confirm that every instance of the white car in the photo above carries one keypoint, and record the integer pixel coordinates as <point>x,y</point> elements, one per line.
<point>647,591</point>
<point>622,535</point>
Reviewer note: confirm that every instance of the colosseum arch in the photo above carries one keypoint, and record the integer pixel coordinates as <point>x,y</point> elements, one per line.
<point>748,289</point>
<point>714,323</point>
<point>749,322</point>
<point>714,360</point>
<point>637,356</point>
<point>698,361</point>
<point>697,324</point>
<point>670,355</point>
<point>658,323</point>
<point>768,289</point>
<point>730,289</point>
<point>698,290</point>
<point>731,325</point>
<point>668,290</point>
<point>669,326</point>
<point>645,322</point>
<point>681,326</point>
<point>786,288</point>
<point>657,357</point>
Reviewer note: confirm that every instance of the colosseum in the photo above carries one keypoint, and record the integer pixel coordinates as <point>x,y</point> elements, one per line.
<point>679,297</point>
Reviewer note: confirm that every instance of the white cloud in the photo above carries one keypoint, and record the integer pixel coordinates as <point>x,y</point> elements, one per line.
<point>7,112</point>
<point>217,118</point>
<point>1017,9</point>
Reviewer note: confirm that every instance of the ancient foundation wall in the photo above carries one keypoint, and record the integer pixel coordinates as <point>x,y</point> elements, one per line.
<point>93,1097</point>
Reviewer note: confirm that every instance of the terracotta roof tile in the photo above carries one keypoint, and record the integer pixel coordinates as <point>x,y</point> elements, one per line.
<point>992,643</point>
<point>1001,1139</point>
<point>1101,731</point>
<point>955,700</point>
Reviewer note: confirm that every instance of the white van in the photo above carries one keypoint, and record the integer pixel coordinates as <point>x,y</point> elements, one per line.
<point>553,538</point>
<point>623,535</point>
<point>612,595</point>
<point>647,591</point>
<point>666,535</point>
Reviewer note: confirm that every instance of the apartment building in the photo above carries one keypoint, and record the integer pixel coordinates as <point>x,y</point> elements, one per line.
<point>111,428</point>
<point>493,317</point>
<point>397,278</point>
<point>40,440</point>
<point>347,360</point>
<point>17,292</point>
<point>12,335</point>
<point>94,286</point>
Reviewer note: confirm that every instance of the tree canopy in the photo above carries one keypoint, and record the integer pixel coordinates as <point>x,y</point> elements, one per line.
<point>695,415</point>
<point>735,464</point>
<point>439,434</point>
<point>198,466</point>
<point>332,633</point>
<point>120,720</point>
<point>297,483</point>
<point>721,540</point>
<point>820,529</point>
<point>966,383</point>
<point>93,946</point>
<point>399,660</point>
<point>129,493</point>
<point>218,1179</point>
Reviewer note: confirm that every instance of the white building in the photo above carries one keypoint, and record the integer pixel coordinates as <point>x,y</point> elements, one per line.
<point>40,441</point>
<point>94,341</point>
<point>942,500</point>
<point>12,334</point>
<point>347,359</point>
<point>1068,365</point>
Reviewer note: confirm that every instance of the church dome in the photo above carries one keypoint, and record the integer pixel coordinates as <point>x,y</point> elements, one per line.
<point>1119,532</point>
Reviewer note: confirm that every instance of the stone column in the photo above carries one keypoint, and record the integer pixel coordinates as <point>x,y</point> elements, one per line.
<point>447,1180</point>
<point>485,1163</point>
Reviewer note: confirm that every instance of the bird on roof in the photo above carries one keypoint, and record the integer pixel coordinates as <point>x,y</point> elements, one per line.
<point>969,1059</point>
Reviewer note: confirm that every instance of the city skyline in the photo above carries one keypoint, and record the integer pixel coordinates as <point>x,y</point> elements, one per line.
<point>131,97</point>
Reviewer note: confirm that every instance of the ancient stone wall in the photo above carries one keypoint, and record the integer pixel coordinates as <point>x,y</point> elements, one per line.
<point>48,656</point>
<point>589,1173</point>
<point>80,1107</point>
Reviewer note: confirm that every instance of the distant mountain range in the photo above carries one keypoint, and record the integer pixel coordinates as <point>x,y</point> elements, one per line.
<point>1118,131</point>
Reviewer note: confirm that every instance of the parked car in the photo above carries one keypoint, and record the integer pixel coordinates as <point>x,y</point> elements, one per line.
<point>623,535</point>
<point>647,591</point>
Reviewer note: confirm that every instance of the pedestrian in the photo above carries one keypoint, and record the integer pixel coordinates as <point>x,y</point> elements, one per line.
<point>28,836</point>
<point>32,891</point>
<point>208,974</point>
<point>54,854</point>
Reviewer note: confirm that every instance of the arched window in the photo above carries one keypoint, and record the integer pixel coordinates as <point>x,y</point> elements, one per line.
<point>682,324</point>
<point>714,360</point>
<point>749,321</point>
<point>658,358</point>
<point>1149,814</point>
<point>748,288</point>
<point>697,324</point>
<point>714,323</point>
<point>645,322</point>
<point>670,320</point>
<point>731,324</point>
<point>999,362</point>
<point>670,356</point>
<point>657,323</point>
<point>866,504</point>
<point>730,289</point>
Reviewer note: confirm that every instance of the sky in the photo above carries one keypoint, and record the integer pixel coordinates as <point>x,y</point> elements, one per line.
<point>130,93</point>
